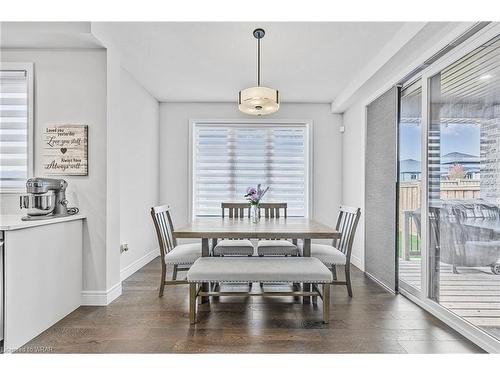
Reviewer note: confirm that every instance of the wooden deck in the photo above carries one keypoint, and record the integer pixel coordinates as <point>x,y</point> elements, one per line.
<point>473,293</point>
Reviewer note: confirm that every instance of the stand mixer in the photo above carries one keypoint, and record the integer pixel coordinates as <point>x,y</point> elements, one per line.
<point>45,199</point>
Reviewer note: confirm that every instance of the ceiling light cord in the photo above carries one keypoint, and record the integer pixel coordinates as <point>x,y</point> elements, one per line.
<point>258,62</point>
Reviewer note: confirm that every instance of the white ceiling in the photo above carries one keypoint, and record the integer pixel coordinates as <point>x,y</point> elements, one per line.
<point>53,35</point>
<point>209,62</point>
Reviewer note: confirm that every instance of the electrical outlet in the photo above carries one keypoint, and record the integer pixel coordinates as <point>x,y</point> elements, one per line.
<point>123,247</point>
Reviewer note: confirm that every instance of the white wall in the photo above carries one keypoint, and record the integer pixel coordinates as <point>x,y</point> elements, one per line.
<point>174,130</point>
<point>70,87</point>
<point>353,174</point>
<point>139,171</point>
<point>113,287</point>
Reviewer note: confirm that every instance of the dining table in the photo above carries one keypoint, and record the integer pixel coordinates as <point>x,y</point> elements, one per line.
<point>293,228</point>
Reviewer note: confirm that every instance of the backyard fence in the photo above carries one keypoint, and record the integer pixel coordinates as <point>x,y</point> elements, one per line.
<point>410,200</point>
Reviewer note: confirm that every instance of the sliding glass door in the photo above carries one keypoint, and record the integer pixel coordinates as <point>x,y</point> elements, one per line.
<point>463,197</point>
<point>449,189</point>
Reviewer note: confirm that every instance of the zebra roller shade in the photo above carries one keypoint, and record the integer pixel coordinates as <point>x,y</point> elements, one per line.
<point>380,189</point>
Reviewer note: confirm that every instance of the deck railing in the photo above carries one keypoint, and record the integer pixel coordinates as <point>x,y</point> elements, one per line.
<point>410,200</point>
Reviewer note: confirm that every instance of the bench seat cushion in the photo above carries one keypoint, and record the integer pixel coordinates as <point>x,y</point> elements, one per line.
<point>276,247</point>
<point>234,247</point>
<point>308,270</point>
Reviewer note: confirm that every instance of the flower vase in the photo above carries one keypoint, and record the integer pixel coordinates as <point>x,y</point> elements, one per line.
<point>255,213</point>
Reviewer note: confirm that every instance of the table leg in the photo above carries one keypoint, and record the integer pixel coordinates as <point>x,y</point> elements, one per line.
<point>204,253</point>
<point>306,253</point>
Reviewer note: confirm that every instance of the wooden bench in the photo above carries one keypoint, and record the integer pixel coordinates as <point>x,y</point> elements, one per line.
<point>259,270</point>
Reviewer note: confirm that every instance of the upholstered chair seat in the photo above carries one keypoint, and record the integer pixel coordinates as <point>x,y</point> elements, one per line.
<point>329,255</point>
<point>276,247</point>
<point>233,248</point>
<point>185,254</point>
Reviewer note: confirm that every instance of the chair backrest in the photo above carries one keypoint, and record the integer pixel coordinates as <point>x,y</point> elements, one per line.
<point>347,223</point>
<point>164,229</point>
<point>235,210</point>
<point>452,235</point>
<point>434,225</point>
<point>274,210</point>
<point>415,215</point>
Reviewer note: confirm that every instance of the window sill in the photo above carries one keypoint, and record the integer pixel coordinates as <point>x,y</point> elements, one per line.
<point>17,192</point>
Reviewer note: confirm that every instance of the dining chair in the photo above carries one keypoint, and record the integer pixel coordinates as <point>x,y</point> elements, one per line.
<point>339,253</point>
<point>275,246</point>
<point>234,246</point>
<point>181,257</point>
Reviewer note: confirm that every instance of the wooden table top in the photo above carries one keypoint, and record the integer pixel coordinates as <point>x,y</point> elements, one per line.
<point>292,228</point>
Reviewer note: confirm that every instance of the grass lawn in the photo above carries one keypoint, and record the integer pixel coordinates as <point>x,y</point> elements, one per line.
<point>415,244</point>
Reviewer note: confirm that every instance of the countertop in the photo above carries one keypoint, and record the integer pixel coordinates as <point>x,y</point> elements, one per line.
<point>14,222</point>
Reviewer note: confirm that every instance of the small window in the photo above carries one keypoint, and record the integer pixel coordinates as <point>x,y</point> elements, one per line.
<point>227,158</point>
<point>16,119</point>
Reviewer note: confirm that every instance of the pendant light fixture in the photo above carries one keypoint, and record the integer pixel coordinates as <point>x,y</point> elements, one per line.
<point>258,100</point>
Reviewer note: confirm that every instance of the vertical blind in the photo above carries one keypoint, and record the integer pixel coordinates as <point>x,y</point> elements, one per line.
<point>13,129</point>
<point>227,159</point>
<point>380,189</point>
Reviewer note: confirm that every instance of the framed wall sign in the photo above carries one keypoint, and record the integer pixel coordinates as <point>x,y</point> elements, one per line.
<point>65,150</point>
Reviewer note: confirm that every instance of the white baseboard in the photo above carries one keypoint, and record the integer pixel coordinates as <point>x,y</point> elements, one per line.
<point>355,261</point>
<point>139,263</point>
<point>101,298</point>
<point>382,284</point>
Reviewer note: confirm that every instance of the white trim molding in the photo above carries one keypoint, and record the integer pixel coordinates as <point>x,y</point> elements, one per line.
<point>101,297</point>
<point>358,263</point>
<point>380,283</point>
<point>139,263</point>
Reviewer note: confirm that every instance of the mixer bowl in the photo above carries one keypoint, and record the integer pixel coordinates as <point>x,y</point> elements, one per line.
<point>38,204</point>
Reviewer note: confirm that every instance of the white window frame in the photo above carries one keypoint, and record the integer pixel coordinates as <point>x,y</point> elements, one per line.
<point>28,67</point>
<point>307,124</point>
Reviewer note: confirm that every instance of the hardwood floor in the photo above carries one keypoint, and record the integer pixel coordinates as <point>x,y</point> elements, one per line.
<point>374,321</point>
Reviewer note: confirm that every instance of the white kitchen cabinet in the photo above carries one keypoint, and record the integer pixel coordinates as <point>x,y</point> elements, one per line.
<point>42,275</point>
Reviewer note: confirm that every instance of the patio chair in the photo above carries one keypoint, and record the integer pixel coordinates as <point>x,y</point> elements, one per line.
<point>465,245</point>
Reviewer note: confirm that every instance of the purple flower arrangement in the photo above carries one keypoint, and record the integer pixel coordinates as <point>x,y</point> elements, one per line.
<point>254,195</point>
